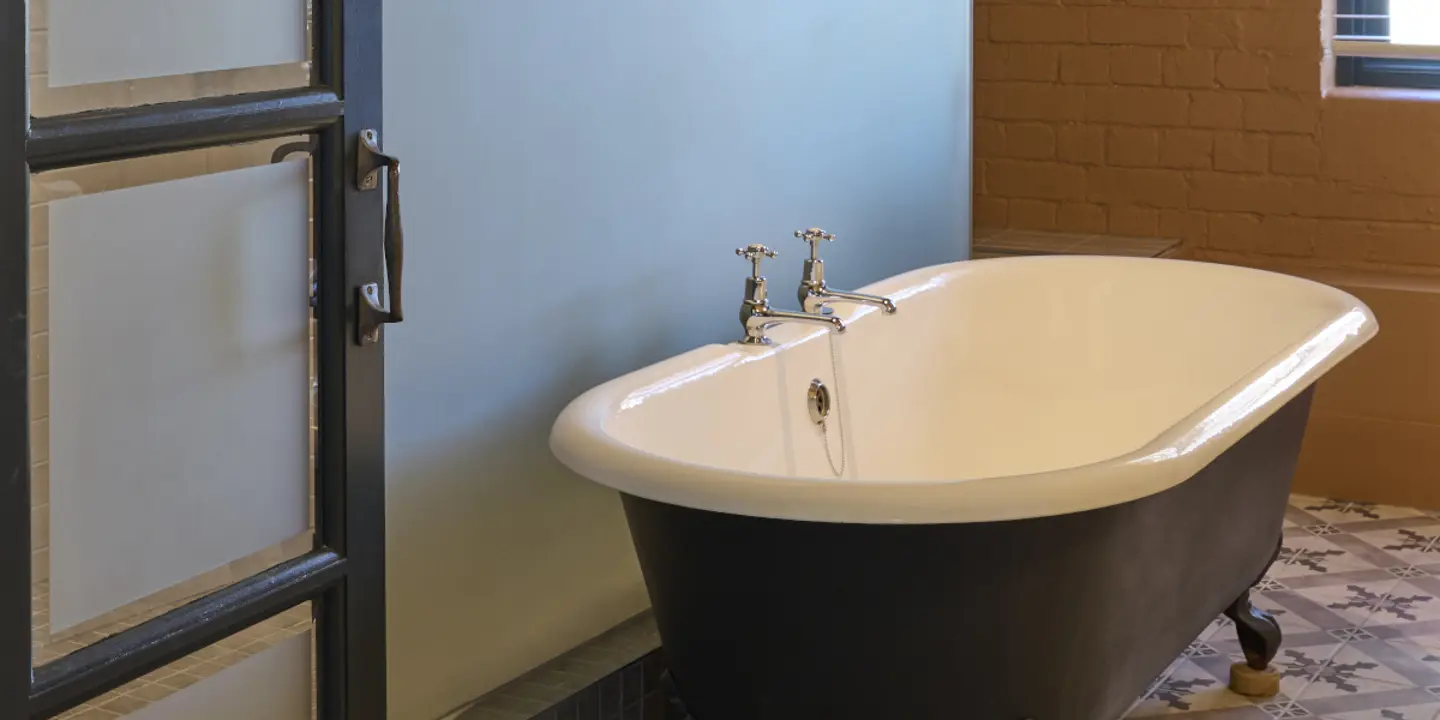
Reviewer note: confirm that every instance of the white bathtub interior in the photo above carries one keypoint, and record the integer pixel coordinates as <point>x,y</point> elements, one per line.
<point>989,369</point>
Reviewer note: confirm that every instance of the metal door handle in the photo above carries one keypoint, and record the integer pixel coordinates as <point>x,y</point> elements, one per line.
<point>370,314</point>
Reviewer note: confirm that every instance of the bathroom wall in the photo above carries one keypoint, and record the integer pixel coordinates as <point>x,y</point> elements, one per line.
<point>578,177</point>
<point>1211,121</point>
<point>1202,120</point>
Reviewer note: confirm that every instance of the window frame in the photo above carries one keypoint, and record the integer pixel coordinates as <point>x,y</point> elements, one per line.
<point>1368,59</point>
<point>1387,72</point>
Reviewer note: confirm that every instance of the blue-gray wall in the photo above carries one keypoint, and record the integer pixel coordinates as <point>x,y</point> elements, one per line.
<point>578,174</point>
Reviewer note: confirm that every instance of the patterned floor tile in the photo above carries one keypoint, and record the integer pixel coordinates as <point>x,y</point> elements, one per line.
<point>1376,574</point>
<point>1409,546</point>
<point>1352,672</point>
<point>1315,608</point>
<point>1298,666</point>
<point>1407,571</point>
<point>1428,711</point>
<point>1376,701</point>
<point>1313,555</point>
<point>1285,709</point>
<point>1201,649</point>
<point>1321,509</point>
<point>1356,591</point>
<point>1242,712</point>
<point>1352,601</point>
<point>1373,511</point>
<point>1427,582</point>
<point>1351,634</point>
<point>1384,553</point>
<point>1189,688</point>
<point>1419,663</point>
<point>1270,584</point>
<point>1291,622</point>
<point>1405,631</point>
<point>1424,649</point>
<point>1220,624</point>
<point>1405,603</point>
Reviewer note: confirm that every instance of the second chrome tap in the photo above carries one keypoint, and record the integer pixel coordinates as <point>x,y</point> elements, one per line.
<point>814,294</point>
<point>755,312</point>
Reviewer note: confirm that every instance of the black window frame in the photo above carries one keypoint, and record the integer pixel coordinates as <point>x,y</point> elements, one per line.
<point>1387,73</point>
<point>1362,20</point>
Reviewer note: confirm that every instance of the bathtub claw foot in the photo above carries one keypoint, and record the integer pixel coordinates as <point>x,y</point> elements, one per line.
<point>1247,681</point>
<point>1259,634</point>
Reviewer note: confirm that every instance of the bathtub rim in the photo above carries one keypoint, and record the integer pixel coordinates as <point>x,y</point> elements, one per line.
<point>580,441</point>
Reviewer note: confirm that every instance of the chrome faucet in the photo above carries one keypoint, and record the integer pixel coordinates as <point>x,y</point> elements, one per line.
<point>756,314</point>
<point>814,295</point>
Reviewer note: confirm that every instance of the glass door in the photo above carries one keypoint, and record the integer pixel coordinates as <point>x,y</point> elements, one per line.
<point>199,246</point>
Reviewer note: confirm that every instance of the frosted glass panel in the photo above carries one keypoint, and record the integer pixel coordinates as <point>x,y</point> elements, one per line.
<point>97,41</point>
<point>179,387</point>
<point>92,54</point>
<point>273,685</point>
<point>265,672</point>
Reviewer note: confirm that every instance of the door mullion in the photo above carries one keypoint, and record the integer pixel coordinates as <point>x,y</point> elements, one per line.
<point>330,527</point>
<point>329,168</point>
<point>362,490</point>
<point>14,365</point>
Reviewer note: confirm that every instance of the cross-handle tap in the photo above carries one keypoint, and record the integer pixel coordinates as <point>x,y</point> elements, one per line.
<point>756,253</point>
<point>755,286</point>
<point>814,295</point>
<point>756,315</point>
<point>815,236</point>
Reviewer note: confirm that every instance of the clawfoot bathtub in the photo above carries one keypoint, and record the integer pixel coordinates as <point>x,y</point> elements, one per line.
<point>1036,483</point>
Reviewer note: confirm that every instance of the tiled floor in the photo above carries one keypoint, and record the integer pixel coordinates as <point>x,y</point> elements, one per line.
<point>1357,593</point>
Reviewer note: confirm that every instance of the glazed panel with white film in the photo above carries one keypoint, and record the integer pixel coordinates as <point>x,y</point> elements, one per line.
<point>97,41</point>
<point>179,388</point>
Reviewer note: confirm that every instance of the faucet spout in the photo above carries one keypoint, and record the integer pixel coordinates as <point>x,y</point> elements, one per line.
<point>814,294</point>
<point>759,318</point>
<point>816,299</point>
<point>756,315</point>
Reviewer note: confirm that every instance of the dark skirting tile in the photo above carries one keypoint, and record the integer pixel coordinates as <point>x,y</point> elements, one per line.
<point>632,684</point>
<point>588,703</point>
<point>610,698</point>
<point>568,709</point>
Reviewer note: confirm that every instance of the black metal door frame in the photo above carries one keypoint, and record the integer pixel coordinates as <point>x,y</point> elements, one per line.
<point>345,572</point>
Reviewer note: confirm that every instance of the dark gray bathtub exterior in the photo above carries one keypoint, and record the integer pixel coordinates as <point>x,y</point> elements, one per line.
<point>1067,617</point>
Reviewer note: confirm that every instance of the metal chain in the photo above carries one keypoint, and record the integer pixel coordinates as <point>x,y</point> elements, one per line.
<point>840,419</point>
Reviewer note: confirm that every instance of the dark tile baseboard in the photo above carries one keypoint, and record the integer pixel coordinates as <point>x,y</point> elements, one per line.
<point>635,692</point>
<point>616,676</point>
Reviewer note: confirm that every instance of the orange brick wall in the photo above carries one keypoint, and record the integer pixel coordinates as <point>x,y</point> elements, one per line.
<point>1202,120</point>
